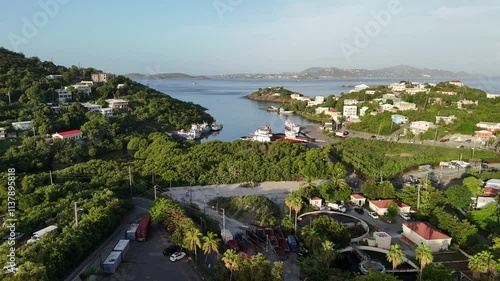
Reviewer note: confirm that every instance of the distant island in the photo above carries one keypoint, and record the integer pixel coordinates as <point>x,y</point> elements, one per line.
<point>163,76</point>
<point>400,71</point>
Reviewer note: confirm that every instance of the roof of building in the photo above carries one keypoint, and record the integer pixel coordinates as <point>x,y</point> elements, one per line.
<point>490,192</point>
<point>357,196</point>
<point>316,198</point>
<point>455,81</point>
<point>447,91</point>
<point>385,203</point>
<point>69,133</point>
<point>426,231</point>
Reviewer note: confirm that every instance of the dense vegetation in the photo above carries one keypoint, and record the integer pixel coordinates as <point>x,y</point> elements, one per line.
<point>253,209</point>
<point>376,159</point>
<point>275,94</point>
<point>32,94</point>
<point>40,203</point>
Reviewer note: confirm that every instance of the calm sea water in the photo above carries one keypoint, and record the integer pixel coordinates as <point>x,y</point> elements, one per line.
<point>226,102</point>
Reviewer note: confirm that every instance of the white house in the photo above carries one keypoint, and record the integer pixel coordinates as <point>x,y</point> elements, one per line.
<point>490,126</point>
<point>402,105</point>
<point>387,107</point>
<point>53,76</point>
<point>480,202</point>
<point>358,199</point>
<point>397,87</point>
<point>422,233</point>
<point>3,133</point>
<point>119,86</point>
<point>88,83</point>
<point>86,89</point>
<point>413,91</point>
<point>350,101</point>
<point>320,110</point>
<point>370,92</point>
<point>447,92</point>
<point>317,101</point>
<point>421,126</point>
<point>118,104</point>
<point>350,111</point>
<point>22,126</point>
<point>461,103</point>
<point>362,111</point>
<point>446,119</point>
<point>295,96</point>
<point>107,111</point>
<point>492,96</point>
<point>361,87</point>
<point>316,202</point>
<point>380,206</point>
<point>399,119</point>
<point>63,95</point>
<point>456,83</point>
<point>92,107</point>
<point>68,135</point>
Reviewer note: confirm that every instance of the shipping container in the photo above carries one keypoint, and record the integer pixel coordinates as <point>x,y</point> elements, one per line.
<point>143,228</point>
<point>122,246</point>
<point>112,262</point>
<point>132,231</point>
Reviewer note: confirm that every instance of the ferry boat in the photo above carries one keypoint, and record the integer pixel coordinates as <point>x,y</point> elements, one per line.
<point>216,127</point>
<point>291,126</point>
<point>263,134</point>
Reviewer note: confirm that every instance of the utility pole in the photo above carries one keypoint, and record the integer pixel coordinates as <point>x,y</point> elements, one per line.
<point>76,214</point>
<point>51,182</point>
<point>418,198</point>
<point>224,222</point>
<point>8,93</point>
<point>130,178</point>
<point>155,190</point>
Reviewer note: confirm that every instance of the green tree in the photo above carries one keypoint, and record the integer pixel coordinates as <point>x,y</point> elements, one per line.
<point>437,272</point>
<point>232,261</point>
<point>375,276</point>
<point>310,236</point>
<point>278,271</point>
<point>392,209</point>
<point>424,255</point>
<point>458,196</point>
<point>395,256</point>
<point>328,251</point>
<point>474,185</point>
<point>192,240</point>
<point>385,190</point>
<point>210,244</point>
<point>482,262</point>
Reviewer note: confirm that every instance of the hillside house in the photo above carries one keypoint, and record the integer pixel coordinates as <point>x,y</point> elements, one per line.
<point>422,233</point>
<point>101,77</point>
<point>402,106</point>
<point>446,119</point>
<point>350,111</point>
<point>118,104</point>
<point>457,83</point>
<point>399,119</point>
<point>484,134</point>
<point>490,126</point>
<point>3,133</point>
<point>418,127</point>
<point>316,202</point>
<point>447,92</point>
<point>350,102</point>
<point>63,95</point>
<point>21,126</point>
<point>380,206</point>
<point>358,199</point>
<point>68,135</point>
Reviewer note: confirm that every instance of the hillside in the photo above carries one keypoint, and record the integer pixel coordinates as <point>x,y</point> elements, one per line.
<point>162,76</point>
<point>399,72</point>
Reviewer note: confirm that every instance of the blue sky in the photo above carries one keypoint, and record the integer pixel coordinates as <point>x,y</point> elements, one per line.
<point>206,37</point>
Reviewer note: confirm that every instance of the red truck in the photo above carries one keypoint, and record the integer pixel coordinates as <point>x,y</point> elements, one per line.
<point>143,228</point>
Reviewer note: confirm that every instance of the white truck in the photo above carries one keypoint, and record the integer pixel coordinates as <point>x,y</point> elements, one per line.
<point>38,234</point>
<point>337,207</point>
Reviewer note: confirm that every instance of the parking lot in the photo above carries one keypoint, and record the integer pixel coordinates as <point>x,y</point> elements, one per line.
<point>145,261</point>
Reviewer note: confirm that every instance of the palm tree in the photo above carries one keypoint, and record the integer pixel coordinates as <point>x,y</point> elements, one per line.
<point>297,206</point>
<point>192,240</point>
<point>311,237</point>
<point>482,263</point>
<point>210,244</point>
<point>328,251</point>
<point>232,261</point>
<point>289,203</point>
<point>395,256</point>
<point>424,254</point>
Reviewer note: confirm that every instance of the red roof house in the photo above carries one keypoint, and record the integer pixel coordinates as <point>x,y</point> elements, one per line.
<point>380,206</point>
<point>316,201</point>
<point>68,135</point>
<point>424,233</point>
<point>358,199</point>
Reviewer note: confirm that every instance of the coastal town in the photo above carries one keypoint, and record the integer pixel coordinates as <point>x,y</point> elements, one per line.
<point>399,180</point>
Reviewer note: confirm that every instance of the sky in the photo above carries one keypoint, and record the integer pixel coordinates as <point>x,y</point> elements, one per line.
<point>208,37</point>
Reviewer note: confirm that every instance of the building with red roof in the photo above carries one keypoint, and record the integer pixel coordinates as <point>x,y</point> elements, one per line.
<point>68,135</point>
<point>358,199</point>
<point>380,206</point>
<point>316,201</point>
<point>424,233</point>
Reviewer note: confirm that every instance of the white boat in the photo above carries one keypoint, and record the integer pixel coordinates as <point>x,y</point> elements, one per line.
<point>216,127</point>
<point>263,134</point>
<point>291,126</point>
<point>193,134</point>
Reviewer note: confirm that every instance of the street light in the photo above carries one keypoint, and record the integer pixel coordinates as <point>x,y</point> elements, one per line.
<point>154,187</point>
<point>76,214</point>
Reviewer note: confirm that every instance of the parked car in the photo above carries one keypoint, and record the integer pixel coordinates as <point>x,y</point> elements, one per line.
<point>171,250</point>
<point>373,215</point>
<point>406,217</point>
<point>177,256</point>
<point>467,140</point>
<point>359,210</point>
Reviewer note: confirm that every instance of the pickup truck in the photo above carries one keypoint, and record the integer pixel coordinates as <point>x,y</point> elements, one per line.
<point>337,207</point>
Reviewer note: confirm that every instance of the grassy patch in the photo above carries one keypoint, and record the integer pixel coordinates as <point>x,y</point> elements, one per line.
<point>449,256</point>
<point>255,209</point>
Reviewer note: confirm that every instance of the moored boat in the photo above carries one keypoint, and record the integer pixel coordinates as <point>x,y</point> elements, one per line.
<point>216,127</point>
<point>263,134</point>
<point>291,126</point>
<point>286,112</point>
